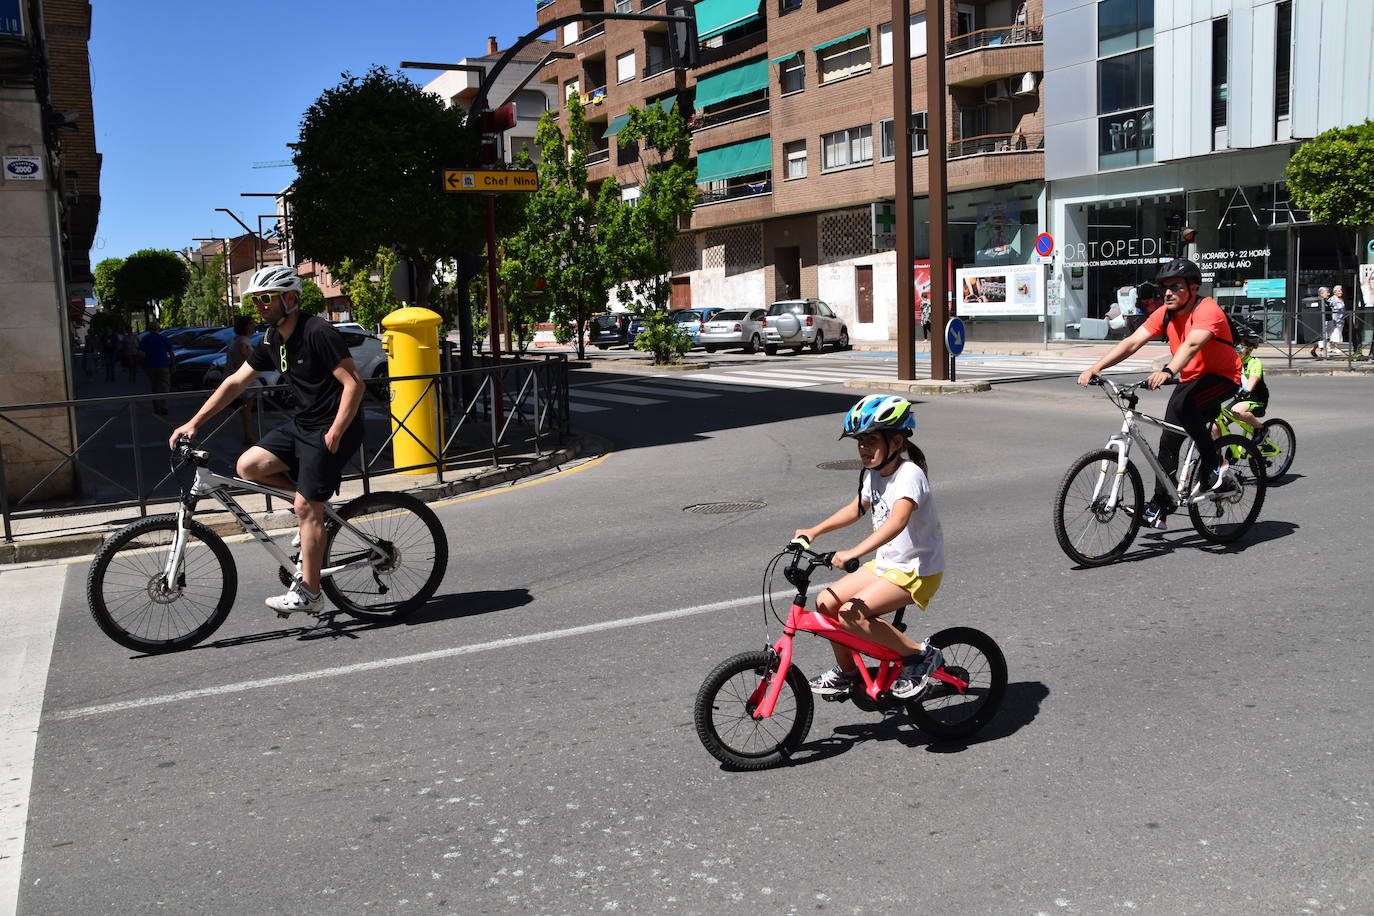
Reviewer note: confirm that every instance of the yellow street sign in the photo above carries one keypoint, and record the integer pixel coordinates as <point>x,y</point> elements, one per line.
<point>491,180</point>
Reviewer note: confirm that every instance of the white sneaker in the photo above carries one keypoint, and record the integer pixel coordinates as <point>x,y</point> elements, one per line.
<point>296,600</point>
<point>296,538</point>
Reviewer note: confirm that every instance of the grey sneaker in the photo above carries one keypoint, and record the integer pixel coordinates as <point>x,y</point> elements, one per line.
<point>916,672</point>
<point>833,683</point>
<point>1155,517</point>
<point>297,599</point>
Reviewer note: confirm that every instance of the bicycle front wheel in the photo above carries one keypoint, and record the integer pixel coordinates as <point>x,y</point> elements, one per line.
<point>1277,448</point>
<point>1231,512</point>
<point>132,600</point>
<point>724,712</point>
<point>409,551</point>
<point>971,656</point>
<point>1090,530</point>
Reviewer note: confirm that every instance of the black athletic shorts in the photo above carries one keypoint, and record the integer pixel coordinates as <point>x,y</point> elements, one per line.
<point>316,470</point>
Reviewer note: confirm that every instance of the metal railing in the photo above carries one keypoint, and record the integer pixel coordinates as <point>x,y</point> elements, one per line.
<point>1296,332</point>
<point>996,143</point>
<point>485,417</point>
<point>701,120</point>
<point>994,38</point>
<point>734,189</point>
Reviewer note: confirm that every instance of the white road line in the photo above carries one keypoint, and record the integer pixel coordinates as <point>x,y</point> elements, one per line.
<point>589,394</point>
<point>666,391</point>
<point>746,378</point>
<point>508,643</point>
<point>584,408</point>
<point>689,385</point>
<point>28,618</point>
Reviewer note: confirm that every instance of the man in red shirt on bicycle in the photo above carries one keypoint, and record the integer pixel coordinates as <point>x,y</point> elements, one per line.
<point>1203,359</point>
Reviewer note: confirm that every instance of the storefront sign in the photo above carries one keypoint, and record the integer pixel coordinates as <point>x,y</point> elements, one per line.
<point>1212,261</point>
<point>1012,290</point>
<point>1114,252</point>
<point>1266,289</point>
<point>23,168</point>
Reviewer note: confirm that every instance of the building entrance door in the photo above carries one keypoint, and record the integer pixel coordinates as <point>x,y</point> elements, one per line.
<point>863,293</point>
<point>787,272</point>
<point>682,293</point>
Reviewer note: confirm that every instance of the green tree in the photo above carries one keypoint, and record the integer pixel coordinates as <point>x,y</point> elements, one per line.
<point>367,283</point>
<point>106,289</point>
<point>369,162</point>
<point>150,276</point>
<point>204,303</point>
<point>643,234</point>
<point>312,297</point>
<point>561,241</point>
<point>1332,175</point>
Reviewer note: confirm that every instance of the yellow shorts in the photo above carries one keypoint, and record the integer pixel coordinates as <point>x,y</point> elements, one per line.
<point>920,588</point>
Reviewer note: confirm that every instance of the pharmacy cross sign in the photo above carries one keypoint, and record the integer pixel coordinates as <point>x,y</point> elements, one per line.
<point>884,222</point>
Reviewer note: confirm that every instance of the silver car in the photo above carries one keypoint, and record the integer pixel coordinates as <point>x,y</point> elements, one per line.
<point>799,323</point>
<point>733,328</point>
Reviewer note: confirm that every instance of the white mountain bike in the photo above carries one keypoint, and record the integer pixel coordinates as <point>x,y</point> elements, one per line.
<point>166,582</point>
<point>1098,509</point>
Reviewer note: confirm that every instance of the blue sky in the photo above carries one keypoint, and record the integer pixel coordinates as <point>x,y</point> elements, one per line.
<point>189,95</point>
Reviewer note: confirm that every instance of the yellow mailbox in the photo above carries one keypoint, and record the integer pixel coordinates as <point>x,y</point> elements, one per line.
<point>411,341</point>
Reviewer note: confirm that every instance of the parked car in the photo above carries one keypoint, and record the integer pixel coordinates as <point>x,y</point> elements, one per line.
<point>610,330</point>
<point>694,320</point>
<point>193,372</point>
<point>799,323</point>
<point>366,350</point>
<point>211,340</point>
<point>733,328</point>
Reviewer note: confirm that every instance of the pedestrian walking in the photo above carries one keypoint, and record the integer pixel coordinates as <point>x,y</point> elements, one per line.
<point>109,351</point>
<point>1323,294</point>
<point>155,350</point>
<point>128,352</point>
<point>1334,331</point>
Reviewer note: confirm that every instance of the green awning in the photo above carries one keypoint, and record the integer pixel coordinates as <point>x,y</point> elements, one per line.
<point>834,41</point>
<point>785,58</point>
<point>672,103</point>
<point>617,125</point>
<point>732,83</point>
<point>717,16</point>
<point>734,160</point>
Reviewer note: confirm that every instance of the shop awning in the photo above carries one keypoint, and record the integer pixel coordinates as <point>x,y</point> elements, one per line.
<point>732,83</point>
<point>734,160</point>
<point>834,41</point>
<point>617,125</point>
<point>717,16</point>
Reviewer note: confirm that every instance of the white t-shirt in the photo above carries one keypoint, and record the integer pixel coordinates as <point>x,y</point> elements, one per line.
<point>920,547</point>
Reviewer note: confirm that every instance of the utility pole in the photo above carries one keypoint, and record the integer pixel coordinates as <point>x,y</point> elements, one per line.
<point>939,215</point>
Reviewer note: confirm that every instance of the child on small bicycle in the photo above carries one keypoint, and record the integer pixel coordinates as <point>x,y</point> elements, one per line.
<point>910,559</point>
<point>1252,398</point>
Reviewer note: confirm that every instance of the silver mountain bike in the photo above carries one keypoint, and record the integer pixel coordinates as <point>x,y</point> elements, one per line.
<point>1099,506</point>
<point>166,582</point>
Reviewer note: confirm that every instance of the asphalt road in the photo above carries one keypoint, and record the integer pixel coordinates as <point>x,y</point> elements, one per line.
<point>1188,731</point>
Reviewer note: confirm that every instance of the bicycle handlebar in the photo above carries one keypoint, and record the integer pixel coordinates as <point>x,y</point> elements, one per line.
<point>182,449</point>
<point>801,547</point>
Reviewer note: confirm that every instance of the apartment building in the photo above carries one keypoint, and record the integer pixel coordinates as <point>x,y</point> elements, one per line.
<point>1166,114</point>
<point>791,111</point>
<point>518,82</point>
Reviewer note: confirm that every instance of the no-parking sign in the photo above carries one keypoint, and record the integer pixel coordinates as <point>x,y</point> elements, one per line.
<point>1044,247</point>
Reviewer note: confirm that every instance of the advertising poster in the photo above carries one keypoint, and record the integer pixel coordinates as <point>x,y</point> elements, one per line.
<point>1367,284</point>
<point>1013,290</point>
<point>922,291</point>
<point>998,228</point>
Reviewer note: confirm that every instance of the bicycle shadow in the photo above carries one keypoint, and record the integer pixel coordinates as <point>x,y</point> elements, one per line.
<point>1259,533</point>
<point>337,624</point>
<point>1020,707</point>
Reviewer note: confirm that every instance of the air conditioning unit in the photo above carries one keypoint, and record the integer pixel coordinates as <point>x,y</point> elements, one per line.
<point>995,91</point>
<point>1026,84</point>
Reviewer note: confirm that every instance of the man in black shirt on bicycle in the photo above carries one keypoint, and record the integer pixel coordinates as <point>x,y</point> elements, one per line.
<point>308,454</point>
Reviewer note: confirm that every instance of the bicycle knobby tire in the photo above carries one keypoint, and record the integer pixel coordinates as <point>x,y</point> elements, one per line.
<point>417,556</point>
<point>131,604</point>
<point>1087,532</point>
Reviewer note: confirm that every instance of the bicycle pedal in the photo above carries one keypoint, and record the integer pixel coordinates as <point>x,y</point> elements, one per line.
<point>283,614</point>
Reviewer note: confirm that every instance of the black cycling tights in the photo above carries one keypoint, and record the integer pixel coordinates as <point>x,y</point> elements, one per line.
<point>1194,405</point>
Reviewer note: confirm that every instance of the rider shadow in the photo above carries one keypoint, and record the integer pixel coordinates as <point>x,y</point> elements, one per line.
<point>1158,546</point>
<point>336,624</point>
<point>1020,706</point>
<point>1286,479</point>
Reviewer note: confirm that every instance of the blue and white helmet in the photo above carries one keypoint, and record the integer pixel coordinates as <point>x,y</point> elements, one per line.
<point>877,412</point>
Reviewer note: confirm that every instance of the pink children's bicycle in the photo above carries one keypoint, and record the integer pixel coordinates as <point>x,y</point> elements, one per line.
<point>754,710</point>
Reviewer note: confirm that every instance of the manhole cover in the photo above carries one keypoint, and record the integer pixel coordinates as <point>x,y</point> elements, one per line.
<point>843,464</point>
<point>743,505</point>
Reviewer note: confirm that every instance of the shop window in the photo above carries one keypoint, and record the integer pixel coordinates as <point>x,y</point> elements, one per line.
<point>847,148</point>
<point>1123,25</point>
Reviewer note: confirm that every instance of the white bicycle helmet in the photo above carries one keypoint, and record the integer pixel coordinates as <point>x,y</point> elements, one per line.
<point>277,278</point>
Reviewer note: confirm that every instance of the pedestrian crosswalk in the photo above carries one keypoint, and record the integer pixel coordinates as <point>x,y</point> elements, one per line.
<point>753,377</point>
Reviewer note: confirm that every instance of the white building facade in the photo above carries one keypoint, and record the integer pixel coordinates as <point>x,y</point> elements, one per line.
<point>1169,115</point>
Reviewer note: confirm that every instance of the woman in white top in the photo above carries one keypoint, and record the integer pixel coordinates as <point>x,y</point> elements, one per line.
<point>910,558</point>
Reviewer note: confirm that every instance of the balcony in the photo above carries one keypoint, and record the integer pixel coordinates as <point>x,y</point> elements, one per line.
<point>989,144</point>
<point>727,114</point>
<point>988,54</point>
<point>735,42</point>
<point>716,192</point>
